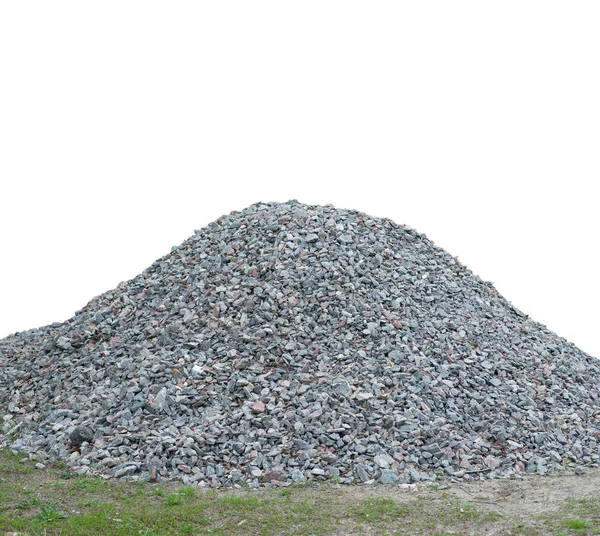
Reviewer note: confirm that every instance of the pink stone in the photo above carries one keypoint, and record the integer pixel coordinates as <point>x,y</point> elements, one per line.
<point>492,462</point>
<point>520,466</point>
<point>258,407</point>
<point>398,456</point>
<point>273,476</point>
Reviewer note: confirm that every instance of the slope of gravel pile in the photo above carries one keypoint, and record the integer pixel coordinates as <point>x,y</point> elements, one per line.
<point>289,342</point>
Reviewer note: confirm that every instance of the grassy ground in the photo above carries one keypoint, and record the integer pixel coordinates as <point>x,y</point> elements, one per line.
<point>54,501</point>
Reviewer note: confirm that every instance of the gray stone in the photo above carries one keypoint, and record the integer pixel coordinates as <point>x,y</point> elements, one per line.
<point>334,472</point>
<point>388,476</point>
<point>63,343</point>
<point>298,476</point>
<point>81,434</point>
<point>342,388</point>
<point>362,472</point>
<point>159,401</point>
<point>383,460</point>
<point>125,470</point>
<point>433,449</point>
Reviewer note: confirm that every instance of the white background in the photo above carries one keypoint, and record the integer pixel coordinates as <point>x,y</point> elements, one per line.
<point>125,125</point>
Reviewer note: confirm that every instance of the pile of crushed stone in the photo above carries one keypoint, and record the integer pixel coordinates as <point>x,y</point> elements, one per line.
<point>286,343</point>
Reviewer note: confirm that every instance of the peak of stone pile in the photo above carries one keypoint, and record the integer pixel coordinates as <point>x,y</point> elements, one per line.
<point>286,343</point>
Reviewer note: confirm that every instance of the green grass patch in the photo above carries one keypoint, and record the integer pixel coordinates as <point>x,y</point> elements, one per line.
<point>174,500</point>
<point>378,509</point>
<point>89,484</point>
<point>187,491</point>
<point>579,526</point>
<point>50,514</point>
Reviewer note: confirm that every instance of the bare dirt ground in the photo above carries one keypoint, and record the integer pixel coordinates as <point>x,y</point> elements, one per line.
<point>51,500</point>
<point>561,503</point>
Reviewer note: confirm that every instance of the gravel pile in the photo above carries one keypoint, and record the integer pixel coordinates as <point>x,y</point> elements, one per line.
<point>287,343</point>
